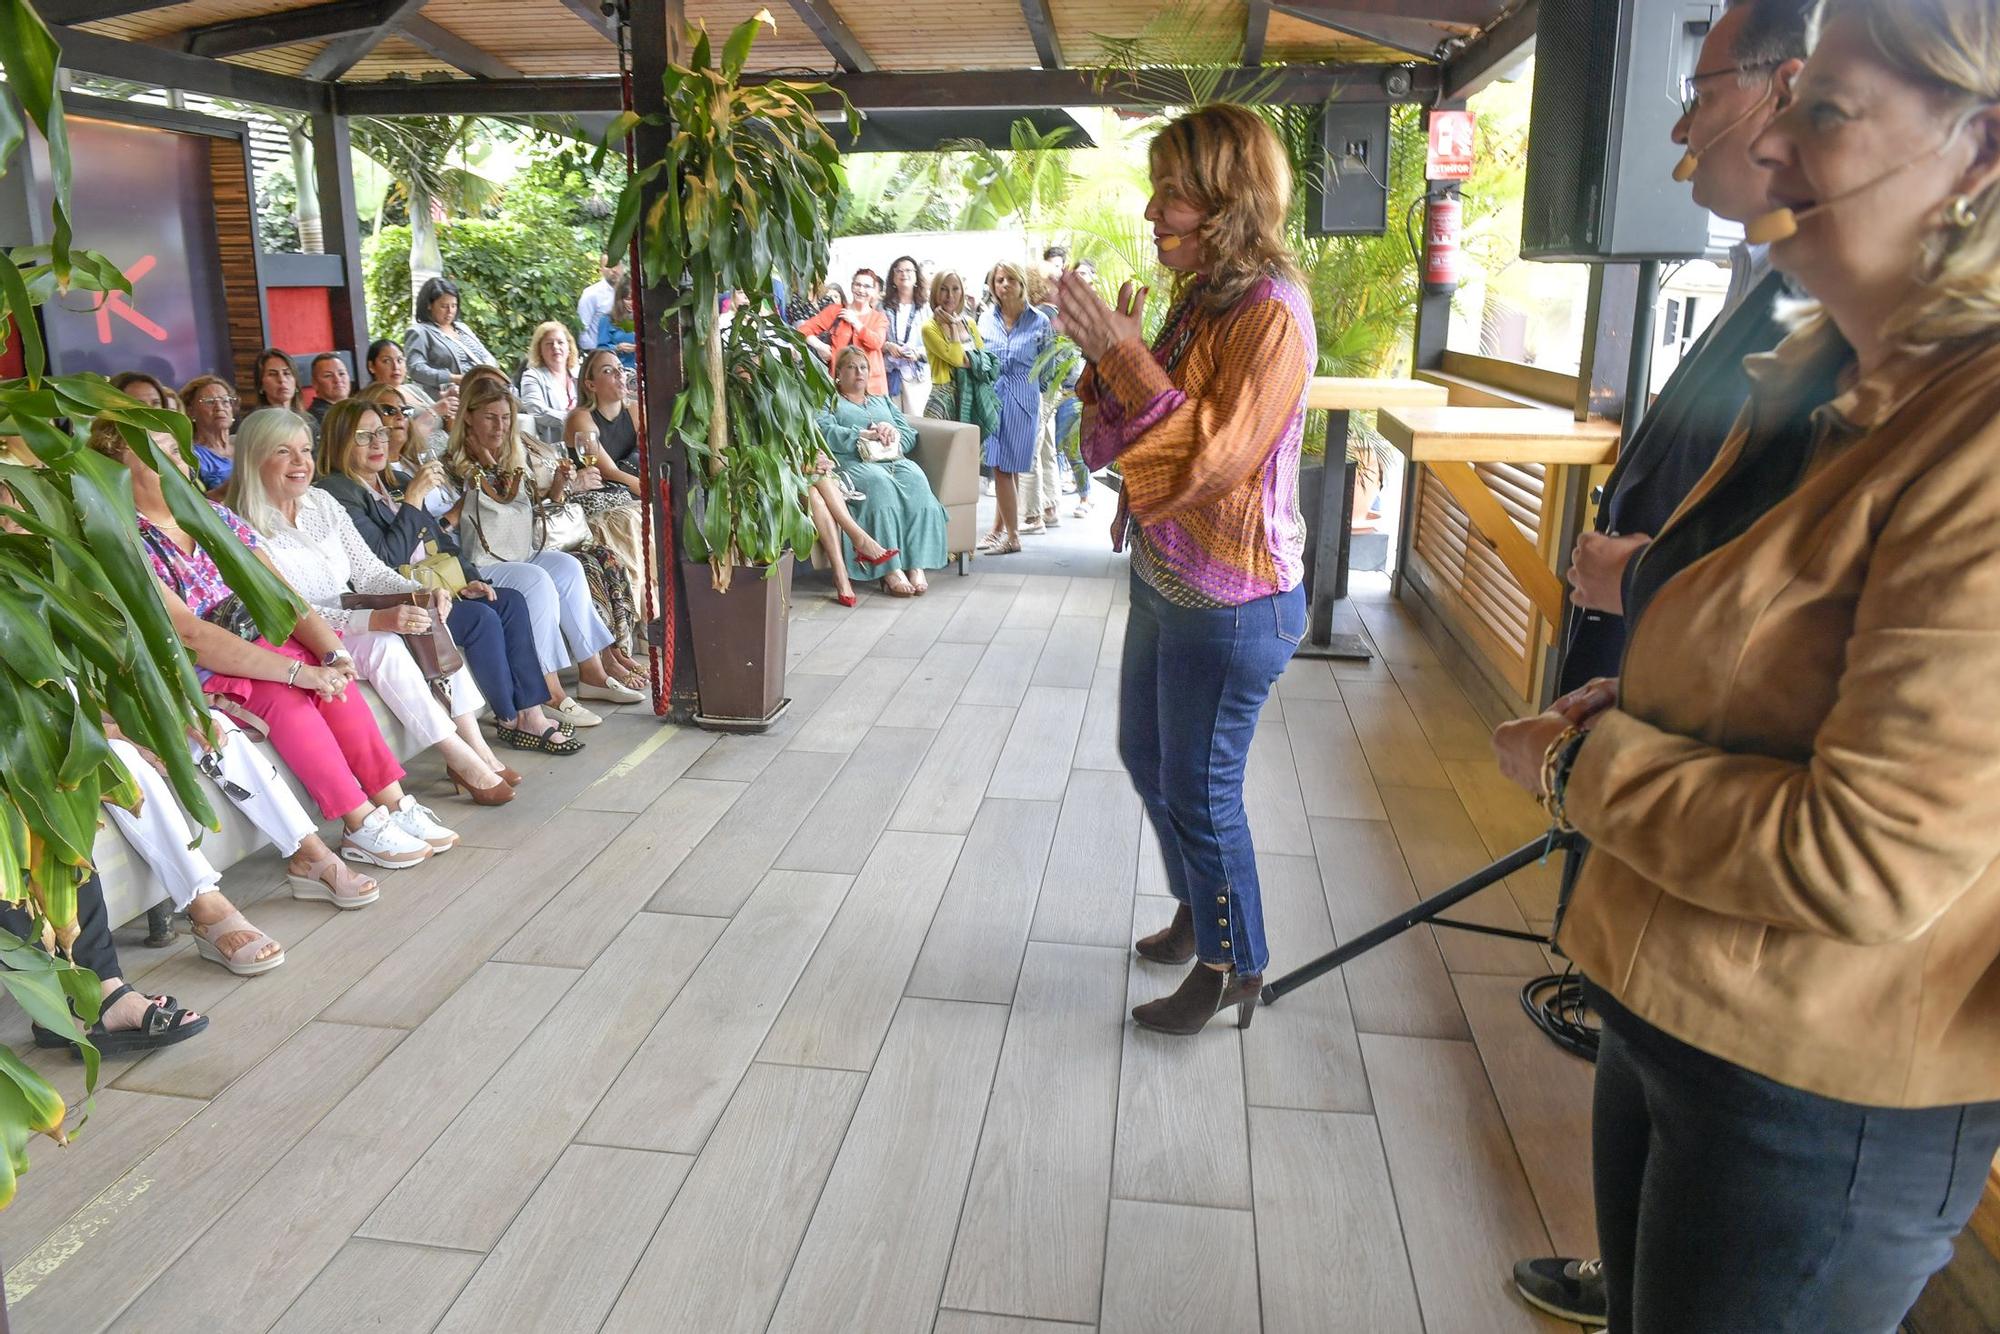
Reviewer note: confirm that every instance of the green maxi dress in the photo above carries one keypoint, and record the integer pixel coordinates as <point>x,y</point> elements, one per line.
<point>900,511</point>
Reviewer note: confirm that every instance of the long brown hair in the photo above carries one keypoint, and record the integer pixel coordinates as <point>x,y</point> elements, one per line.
<point>1225,161</point>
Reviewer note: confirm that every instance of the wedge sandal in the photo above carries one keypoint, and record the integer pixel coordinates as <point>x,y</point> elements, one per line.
<point>242,960</point>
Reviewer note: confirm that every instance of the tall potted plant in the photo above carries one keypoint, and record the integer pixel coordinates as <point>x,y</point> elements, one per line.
<point>748,184</point>
<point>84,637</point>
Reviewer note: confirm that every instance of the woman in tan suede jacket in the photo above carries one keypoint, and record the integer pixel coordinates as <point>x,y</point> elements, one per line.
<point>1790,912</point>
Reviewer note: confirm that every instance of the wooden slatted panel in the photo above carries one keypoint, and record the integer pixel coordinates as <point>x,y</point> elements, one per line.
<point>1460,570</point>
<point>793,44</point>
<point>985,34</point>
<point>177,18</point>
<point>397,56</point>
<point>1295,39</point>
<point>236,227</point>
<point>1077,22</point>
<point>290,60</point>
<point>537,37</point>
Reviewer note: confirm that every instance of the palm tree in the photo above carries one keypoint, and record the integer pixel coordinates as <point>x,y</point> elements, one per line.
<point>1025,182</point>
<point>426,154</point>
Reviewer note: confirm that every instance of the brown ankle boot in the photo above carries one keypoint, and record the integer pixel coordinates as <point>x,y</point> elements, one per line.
<point>1175,944</point>
<point>1204,992</point>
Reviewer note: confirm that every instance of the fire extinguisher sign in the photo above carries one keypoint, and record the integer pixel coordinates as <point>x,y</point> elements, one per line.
<point>1449,157</point>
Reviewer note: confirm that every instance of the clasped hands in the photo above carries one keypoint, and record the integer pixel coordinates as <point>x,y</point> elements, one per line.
<point>1522,744</point>
<point>1085,319</point>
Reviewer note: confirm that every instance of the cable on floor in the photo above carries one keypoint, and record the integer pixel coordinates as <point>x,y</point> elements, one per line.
<point>1556,1006</point>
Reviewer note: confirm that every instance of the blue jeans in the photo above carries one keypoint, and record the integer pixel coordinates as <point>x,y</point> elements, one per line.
<point>497,639</point>
<point>1728,1203</point>
<point>1191,687</point>
<point>1066,414</point>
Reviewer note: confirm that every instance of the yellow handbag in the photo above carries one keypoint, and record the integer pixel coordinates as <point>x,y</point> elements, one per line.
<point>438,569</point>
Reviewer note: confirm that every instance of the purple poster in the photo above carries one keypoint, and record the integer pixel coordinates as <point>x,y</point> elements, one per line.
<point>142,197</point>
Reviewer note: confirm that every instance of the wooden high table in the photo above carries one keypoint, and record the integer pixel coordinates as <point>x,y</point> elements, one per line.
<point>1449,441</point>
<point>1340,397</point>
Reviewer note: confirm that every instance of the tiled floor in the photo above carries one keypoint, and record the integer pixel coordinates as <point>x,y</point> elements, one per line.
<point>825,1030</point>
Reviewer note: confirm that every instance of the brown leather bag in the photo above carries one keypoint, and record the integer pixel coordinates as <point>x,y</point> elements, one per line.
<point>436,652</point>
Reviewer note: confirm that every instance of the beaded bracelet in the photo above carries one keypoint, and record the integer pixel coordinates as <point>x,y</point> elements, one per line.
<point>1557,761</point>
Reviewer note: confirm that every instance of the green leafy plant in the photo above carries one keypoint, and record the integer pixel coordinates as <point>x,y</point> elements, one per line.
<point>511,276</point>
<point>748,176</point>
<point>428,157</point>
<point>84,637</point>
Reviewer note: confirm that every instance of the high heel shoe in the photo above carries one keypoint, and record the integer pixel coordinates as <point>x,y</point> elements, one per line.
<point>508,776</point>
<point>882,559</point>
<point>846,599</point>
<point>1201,996</point>
<point>499,794</point>
<point>1173,944</point>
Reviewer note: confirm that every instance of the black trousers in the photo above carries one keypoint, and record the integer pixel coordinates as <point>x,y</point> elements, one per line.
<point>94,948</point>
<point>1728,1203</point>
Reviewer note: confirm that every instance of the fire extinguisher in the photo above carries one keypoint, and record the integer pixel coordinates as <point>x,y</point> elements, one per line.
<point>1443,222</point>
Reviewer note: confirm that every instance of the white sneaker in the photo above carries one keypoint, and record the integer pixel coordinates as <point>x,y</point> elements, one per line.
<point>383,842</point>
<point>617,692</point>
<point>420,822</point>
<point>574,713</point>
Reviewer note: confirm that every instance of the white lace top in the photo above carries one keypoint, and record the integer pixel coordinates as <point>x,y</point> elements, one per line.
<point>323,556</point>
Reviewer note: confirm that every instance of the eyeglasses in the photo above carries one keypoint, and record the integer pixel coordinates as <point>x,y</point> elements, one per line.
<point>214,402</point>
<point>378,436</point>
<point>1691,85</point>
<point>386,410</point>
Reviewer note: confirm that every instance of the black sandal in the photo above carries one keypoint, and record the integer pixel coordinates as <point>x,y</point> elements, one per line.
<point>165,1022</point>
<point>551,742</point>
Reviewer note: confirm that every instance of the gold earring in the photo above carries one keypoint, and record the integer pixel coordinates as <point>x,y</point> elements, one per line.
<point>1961,212</point>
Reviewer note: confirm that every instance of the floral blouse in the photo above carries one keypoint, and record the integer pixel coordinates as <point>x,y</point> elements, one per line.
<point>192,574</point>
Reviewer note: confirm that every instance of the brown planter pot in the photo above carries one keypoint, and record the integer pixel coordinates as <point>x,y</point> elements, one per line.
<point>739,644</point>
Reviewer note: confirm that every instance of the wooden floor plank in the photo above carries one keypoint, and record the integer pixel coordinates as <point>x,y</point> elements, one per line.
<point>636,782</point>
<point>743,759</point>
<point>874,1256</point>
<point>979,616</point>
<point>926,697</point>
<point>1040,601</point>
<point>1466,1209</point>
<point>1172,1269</point>
<point>1007,668</point>
<point>1506,817</point>
<point>916,631</point>
<point>944,795</point>
<point>1302,1052</point>
<point>973,951</point>
<point>1395,633</point>
<point>574,927</point>
<point>1086,894</point>
<point>1545,1095</point>
<point>1181,1136</point>
<point>1030,1241</point>
<point>1395,747</point>
<point>719,1260</point>
<point>425,968</point>
<point>725,867</point>
<point>1097,743</point>
<point>1070,656</point>
<point>561,1265</point>
<point>1087,597</point>
<point>479,1172</point>
<point>1401,986</point>
<point>970,1322</point>
<point>843,826</point>
<point>123,1128</point>
<point>1329,1244</point>
<point>1111,652</point>
<point>1334,778</point>
<point>840,1009</point>
<point>851,640</point>
<point>1035,763</point>
<point>675,1087</point>
<point>1451,725</point>
<point>840,724</point>
<point>1307,678</point>
<point>347,1162</point>
<point>91,1267</point>
<point>1271,796</point>
<point>1441,847</point>
<point>377,1285</point>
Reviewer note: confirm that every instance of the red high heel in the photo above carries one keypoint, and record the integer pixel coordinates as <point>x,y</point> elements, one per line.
<point>846,599</point>
<point>882,559</point>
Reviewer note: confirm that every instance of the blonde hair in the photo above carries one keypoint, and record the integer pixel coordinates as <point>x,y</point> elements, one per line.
<point>542,332</point>
<point>261,435</point>
<point>851,353</point>
<point>938,279</point>
<point>475,392</point>
<point>1952,49</point>
<point>1013,270</point>
<point>1225,161</point>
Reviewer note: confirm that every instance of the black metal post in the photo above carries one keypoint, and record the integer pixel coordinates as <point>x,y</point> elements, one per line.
<point>1332,542</point>
<point>333,171</point>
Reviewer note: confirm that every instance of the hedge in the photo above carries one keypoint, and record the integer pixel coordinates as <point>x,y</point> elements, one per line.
<point>511,277</point>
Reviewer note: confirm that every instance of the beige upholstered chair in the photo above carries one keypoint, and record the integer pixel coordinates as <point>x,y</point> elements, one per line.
<point>948,452</point>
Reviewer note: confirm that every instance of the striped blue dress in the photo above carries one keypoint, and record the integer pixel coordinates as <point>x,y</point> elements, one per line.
<point>1012,448</point>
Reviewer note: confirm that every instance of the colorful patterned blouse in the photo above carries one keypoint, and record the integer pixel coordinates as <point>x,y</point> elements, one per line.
<point>193,574</point>
<point>1206,429</point>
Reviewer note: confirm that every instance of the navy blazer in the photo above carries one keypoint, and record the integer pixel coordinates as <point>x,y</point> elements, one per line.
<point>1669,453</point>
<point>393,531</point>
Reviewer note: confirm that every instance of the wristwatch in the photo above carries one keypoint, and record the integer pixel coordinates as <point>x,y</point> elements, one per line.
<point>335,656</point>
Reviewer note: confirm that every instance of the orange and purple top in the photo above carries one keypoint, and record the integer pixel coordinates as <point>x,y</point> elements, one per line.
<point>1206,428</point>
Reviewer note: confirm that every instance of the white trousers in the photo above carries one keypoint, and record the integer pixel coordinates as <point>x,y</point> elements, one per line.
<point>383,661</point>
<point>1040,486</point>
<point>159,831</point>
<point>559,606</point>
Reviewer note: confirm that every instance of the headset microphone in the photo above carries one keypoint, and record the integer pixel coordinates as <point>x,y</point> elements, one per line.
<point>1690,162</point>
<point>1168,244</point>
<point>1782,224</point>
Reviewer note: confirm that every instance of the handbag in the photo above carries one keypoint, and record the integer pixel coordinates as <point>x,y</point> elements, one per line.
<point>872,450</point>
<point>560,527</point>
<point>437,570</point>
<point>434,649</point>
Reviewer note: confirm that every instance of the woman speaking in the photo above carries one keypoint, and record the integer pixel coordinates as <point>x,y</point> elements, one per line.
<point>1791,911</point>
<point>1206,428</point>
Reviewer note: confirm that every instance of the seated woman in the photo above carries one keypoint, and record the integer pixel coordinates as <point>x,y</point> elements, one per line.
<point>897,509</point>
<point>440,348</point>
<point>548,385</point>
<point>503,533</point>
<point>141,387</point>
<point>430,417</point>
<point>604,443</point>
<point>315,546</point>
<point>492,626</point>
<point>298,691</point>
<point>211,408</point>
<point>617,328</point>
<point>129,1023</point>
<point>278,386</point>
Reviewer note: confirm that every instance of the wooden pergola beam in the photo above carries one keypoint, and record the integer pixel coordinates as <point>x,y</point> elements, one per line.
<point>1415,37</point>
<point>834,34</point>
<point>1256,28</point>
<point>455,51</point>
<point>314,23</point>
<point>1494,52</point>
<point>92,11</point>
<point>344,53</point>
<point>1042,27</point>
<point>135,62</point>
<point>592,12</point>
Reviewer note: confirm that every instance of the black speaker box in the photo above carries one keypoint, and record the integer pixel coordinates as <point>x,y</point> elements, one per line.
<point>1600,182</point>
<point>1350,196</point>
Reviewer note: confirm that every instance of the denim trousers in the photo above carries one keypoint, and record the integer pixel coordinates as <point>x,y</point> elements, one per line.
<point>497,639</point>
<point>1192,683</point>
<point>1728,1203</point>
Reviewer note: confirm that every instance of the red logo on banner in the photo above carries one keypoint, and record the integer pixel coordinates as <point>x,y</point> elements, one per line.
<point>116,304</point>
<point>1451,144</point>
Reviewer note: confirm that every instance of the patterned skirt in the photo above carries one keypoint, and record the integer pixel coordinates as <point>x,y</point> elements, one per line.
<point>943,405</point>
<point>610,589</point>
